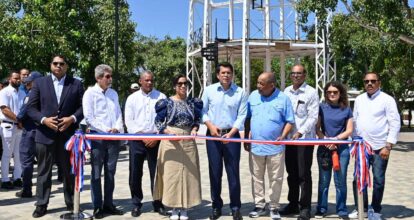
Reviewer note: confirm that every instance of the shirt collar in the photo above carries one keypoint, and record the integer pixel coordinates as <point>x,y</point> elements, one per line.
<point>145,94</point>
<point>232,87</point>
<point>12,88</point>
<point>302,88</point>
<point>373,96</point>
<point>54,78</point>
<point>98,88</point>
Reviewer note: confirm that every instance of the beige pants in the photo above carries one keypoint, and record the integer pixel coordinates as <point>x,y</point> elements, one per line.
<point>275,165</point>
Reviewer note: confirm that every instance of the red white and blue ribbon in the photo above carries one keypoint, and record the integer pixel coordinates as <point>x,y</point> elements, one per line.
<point>78,145</point>
<point>361,151</point>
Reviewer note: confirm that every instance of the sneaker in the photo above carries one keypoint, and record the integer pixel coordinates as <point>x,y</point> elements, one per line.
<point>7,185</point>
<point>174,214</point>
<point>274,214</point>
<point>183,214</point>
<point>257,212</point>
<point>354,214</point>
<point>320,214</point>
<point>375,216</point>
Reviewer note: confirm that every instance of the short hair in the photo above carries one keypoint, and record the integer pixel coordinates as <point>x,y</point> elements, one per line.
<point>375,73</point>
<point>11,73</point>
<point>60,56</point>
<point>303,67</point>
<point>343,95</point>
<point>176,78</point>
<point>224,64</point>
<point>100,70</point>
<point>24,69</point>
<point>146,72</point>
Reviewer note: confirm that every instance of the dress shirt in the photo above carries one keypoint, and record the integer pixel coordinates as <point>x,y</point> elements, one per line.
<point>225,109</point>
<point>305,101</point>
<point>140,111</point>
<point>269,116</point>
<point>13,99</point>
<point>58,85</point>
<point>376,119</point>
<point>101,109</point>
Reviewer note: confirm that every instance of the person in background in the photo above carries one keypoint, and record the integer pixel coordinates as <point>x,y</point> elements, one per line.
<point>24,73</point>
<point>177,180</point>
<point>334,122</point>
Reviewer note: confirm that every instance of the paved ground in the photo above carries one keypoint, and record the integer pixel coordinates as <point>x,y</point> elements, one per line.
<point>398,200</point>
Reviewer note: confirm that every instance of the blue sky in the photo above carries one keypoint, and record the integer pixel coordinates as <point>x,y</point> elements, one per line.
<point>160,17</point>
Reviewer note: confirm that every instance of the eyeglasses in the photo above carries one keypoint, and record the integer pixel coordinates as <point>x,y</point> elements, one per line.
<point>372,81</point>
<point>179,84</point>
<point>59,64</point>
<point>108,76</point>
<point>296,73</point>
<point>332,92</point>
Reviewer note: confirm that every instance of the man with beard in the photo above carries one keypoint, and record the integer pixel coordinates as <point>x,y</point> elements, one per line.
<point>10,102</point>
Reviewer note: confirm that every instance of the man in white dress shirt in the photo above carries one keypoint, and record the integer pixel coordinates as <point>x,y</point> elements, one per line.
<point>139,119</point>
<point>380,108</point>
<point>103,114</point>
<point>11,99</point>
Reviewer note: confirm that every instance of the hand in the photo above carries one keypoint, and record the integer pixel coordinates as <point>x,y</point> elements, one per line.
<point>280,138</point>
<point>113,131</point>
<point>193,132</point>
<point>214,131</point>
<point>228,135</point>
<point>297,135</point>
<point>166,131</point>
<point>51,122</point>
<point>384,153</point>
<point>331,146</point>
<point>65,122</point>
<point>150,143</point>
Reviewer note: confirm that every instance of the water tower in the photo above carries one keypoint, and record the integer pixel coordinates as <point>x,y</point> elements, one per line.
<point>251,29</point>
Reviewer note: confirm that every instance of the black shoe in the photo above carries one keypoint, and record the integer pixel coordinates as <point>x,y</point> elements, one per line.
<point>304,214</point>
<point>7,185</point>
<point>236,214</point>
<point>98,213</point>
<point>215,214</point>
<point>24,194</point>
<point>136,212</point>
<point>289,210</point>
<point>39,211</point>
<point>319,214</point>
<point>257,212</point>
<point>160,210</point>
<point>18,183</point>
<point>112,210</point>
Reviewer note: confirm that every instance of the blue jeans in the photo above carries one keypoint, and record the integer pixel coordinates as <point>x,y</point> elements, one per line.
<point>27,156</point>
<point>379,166</point>
<point>104,154</point>
<point>339,179</point>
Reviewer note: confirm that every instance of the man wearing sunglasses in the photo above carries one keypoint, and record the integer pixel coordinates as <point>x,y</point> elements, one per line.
<point>55,104</point>
<point>298,159</point>
<point>103,114</point>
<point>376,106</point>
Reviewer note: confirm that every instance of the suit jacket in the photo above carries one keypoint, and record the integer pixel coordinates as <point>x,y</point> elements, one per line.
<point>43,103</point>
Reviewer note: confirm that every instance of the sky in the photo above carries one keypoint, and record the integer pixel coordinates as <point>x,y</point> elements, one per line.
<point>160,17</point>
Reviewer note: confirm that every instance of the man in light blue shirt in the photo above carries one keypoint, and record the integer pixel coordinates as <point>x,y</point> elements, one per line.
<point>269,117</point>
<point>224,112</point>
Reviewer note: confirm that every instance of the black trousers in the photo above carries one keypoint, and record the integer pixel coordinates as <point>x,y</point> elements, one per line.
<point>27,156</point>
<point>137,155</point>
<point>298,166</point>
<point>46,155</point>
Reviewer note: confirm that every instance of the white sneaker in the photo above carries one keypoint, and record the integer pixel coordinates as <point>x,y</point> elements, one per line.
<point>274,214</point>
<point>354,214</point>
<point>174,214</point>
<point>183,214</point>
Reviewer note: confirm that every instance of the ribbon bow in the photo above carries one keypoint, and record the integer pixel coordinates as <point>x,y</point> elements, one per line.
<point>361,151</point>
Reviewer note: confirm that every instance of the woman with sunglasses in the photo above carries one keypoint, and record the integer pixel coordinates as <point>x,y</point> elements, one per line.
<point>334,122</point>
<point>177,181</point>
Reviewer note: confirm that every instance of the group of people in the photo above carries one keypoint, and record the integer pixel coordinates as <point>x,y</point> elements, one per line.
<point>47,115</point>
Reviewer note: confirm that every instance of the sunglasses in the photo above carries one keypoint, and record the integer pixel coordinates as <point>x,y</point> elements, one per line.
<point>108,76</point>
<point>296,73</point>
<point>332,92</point>
<point>372,81</point>
<point>179,84</point>
<point>58,63</point>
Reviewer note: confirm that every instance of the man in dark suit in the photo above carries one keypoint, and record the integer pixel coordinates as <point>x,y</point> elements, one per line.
<point>55,104</point>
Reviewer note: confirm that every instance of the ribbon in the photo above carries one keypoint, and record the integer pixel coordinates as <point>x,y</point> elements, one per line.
<point>361,151</point>
<point>77,145</point>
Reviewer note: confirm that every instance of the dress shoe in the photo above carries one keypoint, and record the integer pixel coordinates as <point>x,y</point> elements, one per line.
<point>236,214</point>
<point>215,214</point>
<point>136,212</point>
<point>98,213</point>
<point>160,210</point>
<point>18,183</point>
<point>289,210</point>
<point>24,194</point>
<point>112,210</point>
<point>39,211</point>
<point>7,185</point>
<point>304,214</point>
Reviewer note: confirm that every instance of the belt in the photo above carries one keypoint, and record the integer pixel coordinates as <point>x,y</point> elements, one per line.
<point>9,122</point>
<point>225,131</point>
